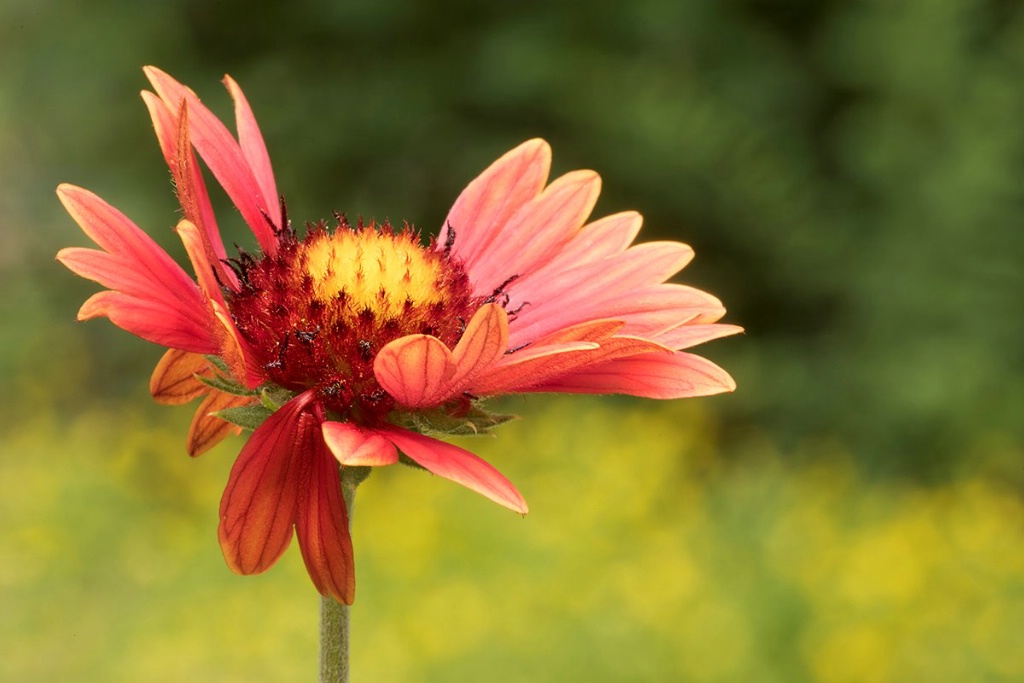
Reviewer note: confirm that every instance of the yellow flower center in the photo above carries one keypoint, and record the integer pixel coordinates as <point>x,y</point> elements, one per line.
<point>375,270</point>
<point>315,314</point>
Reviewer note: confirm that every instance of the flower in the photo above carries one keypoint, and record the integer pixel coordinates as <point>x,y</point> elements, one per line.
<point>343,345</point>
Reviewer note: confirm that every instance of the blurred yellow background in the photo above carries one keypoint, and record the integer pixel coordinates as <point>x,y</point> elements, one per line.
<point>850,175</point>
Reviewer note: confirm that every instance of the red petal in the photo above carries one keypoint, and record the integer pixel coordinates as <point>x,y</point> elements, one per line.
<point>652,375</point>
<point>254,149</point>
<point>458,465</point>
<point>261,499</point>
<point>354,446</point>
<point>322,525</point>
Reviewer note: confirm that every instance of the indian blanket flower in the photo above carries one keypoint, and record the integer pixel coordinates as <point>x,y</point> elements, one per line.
<point>346,345</point>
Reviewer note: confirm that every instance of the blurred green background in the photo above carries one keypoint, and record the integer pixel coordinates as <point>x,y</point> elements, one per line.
<point>850,174</point>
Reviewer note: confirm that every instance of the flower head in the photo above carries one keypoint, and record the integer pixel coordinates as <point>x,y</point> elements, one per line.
<point>343,346</point>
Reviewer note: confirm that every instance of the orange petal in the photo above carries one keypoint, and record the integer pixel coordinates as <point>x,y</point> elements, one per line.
<point>207,430</point>
<point>420,371</point>
<point>354,446</point>
<point>261,499</point>
<point>173,380</point>
<point>322,526</point>
<point>414,369</point>
<point>458,465</point>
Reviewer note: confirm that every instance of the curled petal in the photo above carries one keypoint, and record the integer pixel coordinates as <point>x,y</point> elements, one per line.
<point>322,525</point>
<point>223,155</point>
<point>652,375</point>
<point>419,370</point>
<point>174,382</point>
<point>261,499</point>
<point>458,465</point>
<point>414,369</point>
<point>232,348</point>
<point>354,446</point>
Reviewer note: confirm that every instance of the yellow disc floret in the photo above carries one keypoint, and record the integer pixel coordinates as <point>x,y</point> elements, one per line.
<point>315,313</point>
<point>379,271</point>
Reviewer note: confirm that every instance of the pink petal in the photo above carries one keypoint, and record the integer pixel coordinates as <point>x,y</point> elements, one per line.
<point>354,446</point>
<point>111,271</point>
<point>322,525</point>
<point>596,241</point>
<point>458,465</point>
<point>414,369</point>
<point>118,235</point>
<point>223,155</point>
<point>590,284</point>
<point>254,149</point>
<point>687,336</point>
<point>484,207</point>
<point>261,500</point>
<point>656,375</point>
<point>537,231</point>
<point>152,320</point>
<point>521,374</point>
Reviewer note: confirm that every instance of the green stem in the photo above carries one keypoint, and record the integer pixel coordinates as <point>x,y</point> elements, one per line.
<point>333,640</point>
<point>334,632</point>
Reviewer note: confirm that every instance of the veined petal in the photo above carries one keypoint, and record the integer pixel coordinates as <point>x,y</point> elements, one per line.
<point>458,465</point>
<point>223,155</point>
<point>207,430</point>
<point>419,370</point>
<point>174,382</point>
<point>354,446</point>
<point>151,320</point>
<point>322,524</point>
<point>261,500</point>
<point>538,230</point>
<point>254,149</point>
<point>414,369</point>
<point>652,375</point>
<point>485,206</point>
